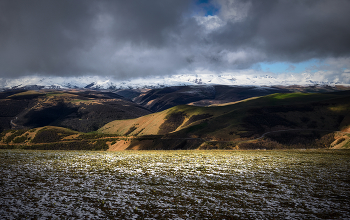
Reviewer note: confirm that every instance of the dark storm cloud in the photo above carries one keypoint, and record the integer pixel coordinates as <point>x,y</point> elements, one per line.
<point>40,36</point>
<point>291,30</point>
<point>136,38</point>
<point>304,29</point>
<point>142,21</point>
<point>60,36</point>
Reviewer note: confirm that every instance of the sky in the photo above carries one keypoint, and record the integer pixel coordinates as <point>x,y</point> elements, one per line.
<point>137,38</point>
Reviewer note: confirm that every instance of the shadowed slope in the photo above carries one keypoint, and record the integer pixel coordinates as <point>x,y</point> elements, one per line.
<point>83,111</point>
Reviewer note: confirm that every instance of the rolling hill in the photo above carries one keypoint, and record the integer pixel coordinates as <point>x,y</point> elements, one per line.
<point>49,119</point>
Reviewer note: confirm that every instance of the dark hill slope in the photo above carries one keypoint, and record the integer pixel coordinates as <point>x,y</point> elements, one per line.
<point>83,111</point>
<point>236,93</point>
<point>161,99</point>
<point>11,107</point>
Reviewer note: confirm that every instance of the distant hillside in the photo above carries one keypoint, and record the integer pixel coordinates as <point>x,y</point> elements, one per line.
<point>163,98</point>
<point>78,110</point>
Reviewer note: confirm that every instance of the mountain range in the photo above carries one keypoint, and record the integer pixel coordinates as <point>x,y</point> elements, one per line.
<point>100,82</point>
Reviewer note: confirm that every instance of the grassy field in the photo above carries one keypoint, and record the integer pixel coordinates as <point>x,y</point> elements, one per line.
<point>293,184</point>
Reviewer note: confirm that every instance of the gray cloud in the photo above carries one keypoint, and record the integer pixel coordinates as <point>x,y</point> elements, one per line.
<point>291,30</point>
<point>300,30</point>
<point>127,39</point>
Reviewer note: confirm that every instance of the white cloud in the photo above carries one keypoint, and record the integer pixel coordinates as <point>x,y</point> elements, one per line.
<point>210,23</point>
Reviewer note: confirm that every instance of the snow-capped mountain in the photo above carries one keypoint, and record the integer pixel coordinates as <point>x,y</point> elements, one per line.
<point>100,82</point>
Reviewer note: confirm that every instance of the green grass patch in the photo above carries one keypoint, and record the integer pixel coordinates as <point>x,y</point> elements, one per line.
<point>289,95</point>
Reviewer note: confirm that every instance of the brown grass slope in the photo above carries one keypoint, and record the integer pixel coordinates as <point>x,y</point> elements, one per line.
<point>55,138</point>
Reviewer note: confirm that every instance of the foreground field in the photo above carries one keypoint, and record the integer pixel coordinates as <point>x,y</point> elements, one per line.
<point>299,184</point>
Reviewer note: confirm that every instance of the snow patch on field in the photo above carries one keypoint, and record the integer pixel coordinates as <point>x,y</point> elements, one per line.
<point>174,184</point>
